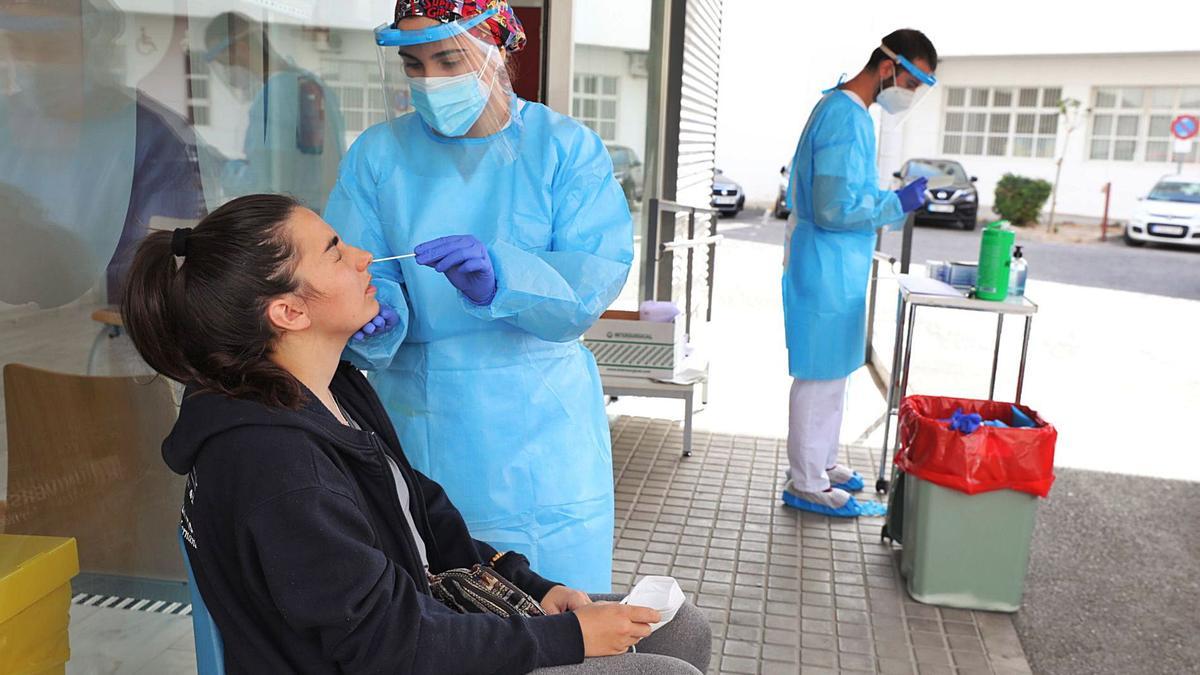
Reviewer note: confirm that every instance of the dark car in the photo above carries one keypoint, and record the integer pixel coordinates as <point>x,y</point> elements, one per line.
<point>627,169</point>
<point>952,196</point>
<point>727,195</point>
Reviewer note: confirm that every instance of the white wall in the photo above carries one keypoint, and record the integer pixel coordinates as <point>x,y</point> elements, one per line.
<point>631,92</point>
<point>1082,178</point>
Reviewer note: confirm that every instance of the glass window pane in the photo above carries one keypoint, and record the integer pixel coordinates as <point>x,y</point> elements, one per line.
<point>352,97</point>
<point>1102,125</point>
<point>954,121</point>
<point>998,123</point>
<point>973,145</point>
<point>590,108</point>
<point>375,97</point>
<point>1123,150</point>
<point>1160,126</point>
<point>997,146</point>
<point>1127,125</point>
<point>199,88</point>
<point>979,98</point>
<point>1099,149</point>
<point>1162,97</point>
<point>977,122</point>
<point>1189,98</point>
<point>1028,98</point>
<point>576,107</point>
<point>1026,123</point>
<point>589,84</point>
<point>1157,151</point>
<point>1048,124</point>
<point>1023,146</point>
<point>957,97</point>
<point>608,130</point>
<point>1106,98</point>
<point>952,144</point>
<point>1132,98</point>
<point>610,86</point>
<point>354,120</point>
<point>1045,147</point>
<point>200,116</point>
<point>1051,97</point>
<point>608,110</point>
<point>1002,98</point>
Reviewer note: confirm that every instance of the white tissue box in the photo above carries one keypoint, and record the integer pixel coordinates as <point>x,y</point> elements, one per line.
<point>626,346</point>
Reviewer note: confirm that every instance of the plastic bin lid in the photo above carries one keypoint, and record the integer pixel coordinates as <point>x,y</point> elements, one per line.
<point>31,567</point>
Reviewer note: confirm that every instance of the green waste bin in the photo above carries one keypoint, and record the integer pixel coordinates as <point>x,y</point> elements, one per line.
<point>967,551</point>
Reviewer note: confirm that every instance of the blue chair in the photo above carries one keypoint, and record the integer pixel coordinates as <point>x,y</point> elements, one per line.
<point>210,650</point>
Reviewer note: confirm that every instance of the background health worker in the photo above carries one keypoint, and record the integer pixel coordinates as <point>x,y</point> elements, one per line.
<point>522,238</point>
<point>837,206</point>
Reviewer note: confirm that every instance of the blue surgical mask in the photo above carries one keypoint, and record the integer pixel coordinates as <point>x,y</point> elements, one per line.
<point>451,105</point>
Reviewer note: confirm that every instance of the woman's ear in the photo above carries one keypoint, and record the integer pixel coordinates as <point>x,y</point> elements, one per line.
<point>289,313</point>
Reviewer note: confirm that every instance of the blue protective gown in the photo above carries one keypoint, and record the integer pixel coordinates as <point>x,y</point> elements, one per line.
<point>837,206</point>
<point>500,404</point>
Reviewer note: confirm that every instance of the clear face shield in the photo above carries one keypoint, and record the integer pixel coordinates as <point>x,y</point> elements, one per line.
<point>454,78</point>
<point>905,90</point>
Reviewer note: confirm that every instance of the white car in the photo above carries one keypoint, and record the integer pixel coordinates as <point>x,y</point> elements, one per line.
<point>1170,214</point>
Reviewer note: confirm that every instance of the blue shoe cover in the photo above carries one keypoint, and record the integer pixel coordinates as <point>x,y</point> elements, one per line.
<point>855,484</point>
<point>851,509</point>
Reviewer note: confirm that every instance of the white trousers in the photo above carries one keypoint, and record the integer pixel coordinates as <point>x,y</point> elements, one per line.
<point>814,426</point>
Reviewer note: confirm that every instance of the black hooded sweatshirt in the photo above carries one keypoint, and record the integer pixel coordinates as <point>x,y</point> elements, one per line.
<point>304,558</point>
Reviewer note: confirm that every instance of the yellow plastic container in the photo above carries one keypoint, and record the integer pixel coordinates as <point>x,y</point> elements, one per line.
<point>35,603</point>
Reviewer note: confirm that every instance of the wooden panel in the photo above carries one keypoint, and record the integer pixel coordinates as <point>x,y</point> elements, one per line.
<point>85,461</point>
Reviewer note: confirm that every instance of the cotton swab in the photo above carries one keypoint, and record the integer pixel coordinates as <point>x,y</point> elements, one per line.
<point>395,257</point>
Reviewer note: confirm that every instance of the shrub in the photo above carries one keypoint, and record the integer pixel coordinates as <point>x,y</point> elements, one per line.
<point>1019,199</point>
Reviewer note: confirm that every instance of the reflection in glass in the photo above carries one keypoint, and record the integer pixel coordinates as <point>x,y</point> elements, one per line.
<point>294,135</point>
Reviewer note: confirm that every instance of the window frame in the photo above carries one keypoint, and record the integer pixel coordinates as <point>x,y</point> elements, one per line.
<point>580,97</point>
<point>1146,112</point>
<point>992,129</point>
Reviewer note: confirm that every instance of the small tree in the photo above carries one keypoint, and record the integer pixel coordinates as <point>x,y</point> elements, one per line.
<point>1069,110</point>
<point>1019,199</point>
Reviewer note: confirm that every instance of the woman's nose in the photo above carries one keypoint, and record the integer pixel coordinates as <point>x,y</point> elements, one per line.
<point>362,260</point>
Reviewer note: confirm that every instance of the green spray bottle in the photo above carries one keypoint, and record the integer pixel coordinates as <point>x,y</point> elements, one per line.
<point>995,259</point>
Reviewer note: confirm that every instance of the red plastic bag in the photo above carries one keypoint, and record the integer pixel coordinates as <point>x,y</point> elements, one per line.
<point>990,459</point>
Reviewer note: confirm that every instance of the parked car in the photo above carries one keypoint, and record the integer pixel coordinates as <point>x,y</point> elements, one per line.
<point>627,169</point>
<point>781,209</point>
<point>727,195</point>
<point>956,202</point>
<point>1170,214</point>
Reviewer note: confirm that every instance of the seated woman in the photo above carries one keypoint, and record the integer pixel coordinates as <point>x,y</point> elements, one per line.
<point>310,535</point>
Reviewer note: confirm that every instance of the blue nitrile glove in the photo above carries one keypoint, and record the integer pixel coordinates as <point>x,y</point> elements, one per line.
<point>964,424</point>
<point>912,196</point>
<point>385,320</point>
<point>465,262</point>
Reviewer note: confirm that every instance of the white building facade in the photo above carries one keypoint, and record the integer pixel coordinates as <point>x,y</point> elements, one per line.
<point>1000,114</point>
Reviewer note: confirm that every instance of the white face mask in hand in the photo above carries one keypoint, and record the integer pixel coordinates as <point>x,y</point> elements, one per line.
<point>662,594</point>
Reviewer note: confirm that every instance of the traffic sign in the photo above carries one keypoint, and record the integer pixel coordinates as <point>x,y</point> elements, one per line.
<point>1185,127</point>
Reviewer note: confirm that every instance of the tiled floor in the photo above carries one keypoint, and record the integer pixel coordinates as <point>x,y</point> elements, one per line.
<point>785,592</point>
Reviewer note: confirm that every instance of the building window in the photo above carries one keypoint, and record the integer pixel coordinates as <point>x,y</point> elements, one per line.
<point>1001,121</point>
<point>1134,123</point>
<point>359,92</point>
<point>595,104</point>
<point>199,101</point>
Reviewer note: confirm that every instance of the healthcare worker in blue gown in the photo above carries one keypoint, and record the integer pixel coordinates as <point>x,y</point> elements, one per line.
<point>836,207</point>
<point>522,238</point>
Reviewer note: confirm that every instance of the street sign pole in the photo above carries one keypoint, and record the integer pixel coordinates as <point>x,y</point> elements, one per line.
<point>1184,128</point>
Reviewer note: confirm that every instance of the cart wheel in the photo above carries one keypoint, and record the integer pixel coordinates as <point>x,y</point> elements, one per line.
<point>883,533</point>
<point>881,486</point>
<point>687,453</point>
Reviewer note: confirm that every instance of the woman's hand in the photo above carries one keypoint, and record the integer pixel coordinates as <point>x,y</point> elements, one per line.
<point>609,628</point>
<point>562,599</point>
<point>382,323</point>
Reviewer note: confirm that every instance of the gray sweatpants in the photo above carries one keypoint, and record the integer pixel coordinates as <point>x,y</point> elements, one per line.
<point>682,647</point>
